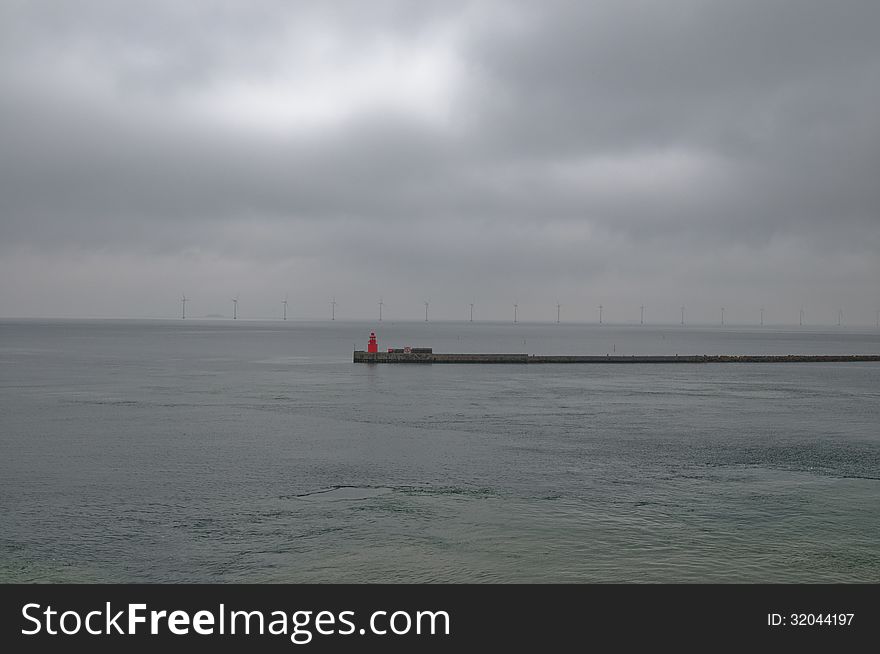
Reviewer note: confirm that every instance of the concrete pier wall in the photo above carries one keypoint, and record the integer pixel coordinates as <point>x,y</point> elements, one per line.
<point>395,357</point>
<point>415,357</point>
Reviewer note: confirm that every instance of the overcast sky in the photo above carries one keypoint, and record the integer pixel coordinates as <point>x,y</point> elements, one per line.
<point>685,152</point>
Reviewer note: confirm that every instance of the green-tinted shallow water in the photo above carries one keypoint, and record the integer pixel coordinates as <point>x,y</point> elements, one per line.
<point>220,451</point>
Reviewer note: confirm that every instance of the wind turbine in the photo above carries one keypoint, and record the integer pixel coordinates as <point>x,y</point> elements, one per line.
<point>472,311</point>
<point>183,302</point>
<point>515,307</point>
<point>558,307</point>
<point>801,318</point>
<point>682,316</point>
<point>333,309</point>
<point>642,319</point>
<point>426,310</point>
<point>839,317</point>
<point>762,316</point>
<point>722,316</point>
<point>381,304</point>
<point>600,314</point>
<point>284,302</point>
<point>235,308</point>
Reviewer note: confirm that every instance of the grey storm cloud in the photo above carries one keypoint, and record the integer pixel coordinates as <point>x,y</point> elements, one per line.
<point>684,151</point>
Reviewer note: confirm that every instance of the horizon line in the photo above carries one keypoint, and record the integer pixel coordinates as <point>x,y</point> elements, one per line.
<point>604,323</point>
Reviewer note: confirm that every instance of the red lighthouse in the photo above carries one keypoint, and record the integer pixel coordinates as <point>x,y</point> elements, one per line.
<point>372,345</point>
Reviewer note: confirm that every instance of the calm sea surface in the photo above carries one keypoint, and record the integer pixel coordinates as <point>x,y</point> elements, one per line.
<point>256,451</point>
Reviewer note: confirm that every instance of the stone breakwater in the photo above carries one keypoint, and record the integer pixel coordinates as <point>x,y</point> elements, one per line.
<point>419,357</point>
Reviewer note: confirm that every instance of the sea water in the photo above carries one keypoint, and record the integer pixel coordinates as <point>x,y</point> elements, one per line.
<point>171,451</point>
